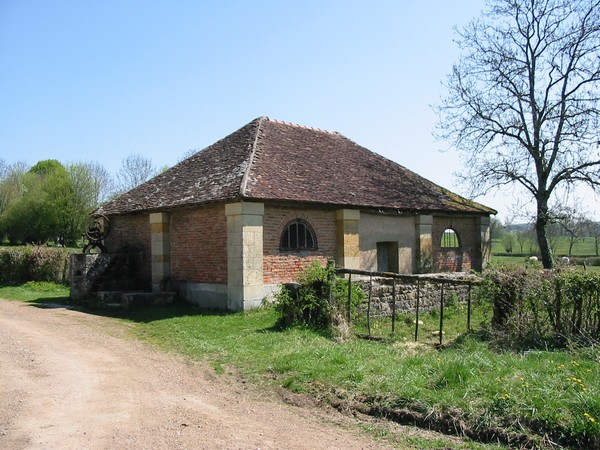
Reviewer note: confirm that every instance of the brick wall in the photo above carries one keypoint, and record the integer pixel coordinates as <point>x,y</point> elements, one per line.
<point>199,245</point>
<point>131,234</point>
<point>461,259</point>
<point>283,267</point>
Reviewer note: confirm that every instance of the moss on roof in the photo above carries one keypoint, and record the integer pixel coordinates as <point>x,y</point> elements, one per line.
<point>270,160</point>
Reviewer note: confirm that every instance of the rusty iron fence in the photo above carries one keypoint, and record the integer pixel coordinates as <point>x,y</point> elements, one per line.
<point>407,279</point>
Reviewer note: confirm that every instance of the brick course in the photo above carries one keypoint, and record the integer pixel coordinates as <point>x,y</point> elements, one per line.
<point>283,267</point>
<point>462,259</point>
<point>199,245</point>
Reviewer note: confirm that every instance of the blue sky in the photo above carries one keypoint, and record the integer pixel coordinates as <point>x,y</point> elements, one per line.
<point>97,81</point>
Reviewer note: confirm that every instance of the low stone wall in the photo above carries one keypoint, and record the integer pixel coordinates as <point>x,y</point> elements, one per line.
<point>91,273</point>
<point>429,292</point>
<point>86,269</point>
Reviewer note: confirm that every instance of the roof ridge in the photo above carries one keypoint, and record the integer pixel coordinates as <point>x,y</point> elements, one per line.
<point>306,127</point>
<point>244,183</point>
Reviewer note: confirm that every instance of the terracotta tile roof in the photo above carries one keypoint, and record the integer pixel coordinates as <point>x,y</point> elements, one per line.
<point>278,161</point>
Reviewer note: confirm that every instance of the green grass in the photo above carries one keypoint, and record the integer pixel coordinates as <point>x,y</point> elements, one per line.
<point>35,291</point>
<point>539,393</point>
<point>585,247</point>
<point>535,391</point>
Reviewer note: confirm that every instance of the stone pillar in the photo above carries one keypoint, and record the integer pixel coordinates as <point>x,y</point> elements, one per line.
<point>160,249</point>
<point>424,245</point>
<point>485,242</point>
<point>347,238</point>
<point>244,255</point>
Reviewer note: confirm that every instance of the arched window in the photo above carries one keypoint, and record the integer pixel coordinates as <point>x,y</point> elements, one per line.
<point>450,239</point>
<point>298,235</point>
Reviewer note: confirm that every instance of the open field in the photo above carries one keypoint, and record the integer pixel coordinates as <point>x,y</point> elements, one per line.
<point>583,250</point>
<point>584,247</point>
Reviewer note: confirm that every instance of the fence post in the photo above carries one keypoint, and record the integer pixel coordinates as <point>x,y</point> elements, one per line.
<point>393,305</point>
<point>417,318</point>
<point>469,309</point>
<point>349,298</point>
<point>332,278</point>
<point>369,305</point>
<point>441,314</point>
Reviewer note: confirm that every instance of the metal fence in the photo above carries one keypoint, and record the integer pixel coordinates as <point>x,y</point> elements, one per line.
<point>397,281</point>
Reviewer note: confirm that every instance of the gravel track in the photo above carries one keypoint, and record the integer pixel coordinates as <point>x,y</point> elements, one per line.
<point>71,380</point>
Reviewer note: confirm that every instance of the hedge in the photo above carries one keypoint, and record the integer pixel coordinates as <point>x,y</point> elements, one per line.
<point>34,263</point>
<point>542,308</point>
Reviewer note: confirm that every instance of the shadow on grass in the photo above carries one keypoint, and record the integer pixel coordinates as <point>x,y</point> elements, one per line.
<point>141,314</point>
<point>152,313</point>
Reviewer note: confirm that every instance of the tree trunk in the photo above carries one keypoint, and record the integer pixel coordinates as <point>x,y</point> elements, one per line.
<point>541,225</point>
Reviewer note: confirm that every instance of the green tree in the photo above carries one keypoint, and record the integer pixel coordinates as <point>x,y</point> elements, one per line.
<point>508,241</point>
<point>46,167</point>
<point>29,218</point>
<point>11,183</point>
<point>524,101</point>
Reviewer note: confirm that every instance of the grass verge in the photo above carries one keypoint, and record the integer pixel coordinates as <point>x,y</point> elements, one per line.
<point>530,399</point>
<point>34,291</point>
<point>520,400</point>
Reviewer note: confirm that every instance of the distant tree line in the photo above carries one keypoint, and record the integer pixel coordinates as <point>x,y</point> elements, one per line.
<point>50,202</point>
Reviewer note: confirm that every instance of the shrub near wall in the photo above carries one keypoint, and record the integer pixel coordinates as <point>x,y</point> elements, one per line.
<point>540,308</point>
<point>22,264</point>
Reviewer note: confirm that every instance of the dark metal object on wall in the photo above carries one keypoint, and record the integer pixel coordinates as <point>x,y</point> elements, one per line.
<point>97,230</point>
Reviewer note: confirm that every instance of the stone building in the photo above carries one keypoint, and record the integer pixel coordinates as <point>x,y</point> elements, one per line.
<point>228,225</point>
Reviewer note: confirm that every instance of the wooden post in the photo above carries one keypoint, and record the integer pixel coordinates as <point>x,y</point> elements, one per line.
<point>441,314</point>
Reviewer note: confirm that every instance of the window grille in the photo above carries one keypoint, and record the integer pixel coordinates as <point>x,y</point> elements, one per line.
<point>298,235</point>
<point>450,239</point>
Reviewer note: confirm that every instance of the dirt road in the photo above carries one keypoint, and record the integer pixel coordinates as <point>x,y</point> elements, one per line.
<point>71,380</point>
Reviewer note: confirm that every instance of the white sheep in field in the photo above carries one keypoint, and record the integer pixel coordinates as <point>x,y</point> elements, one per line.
<point>532,259</point>
<point>565,261</point>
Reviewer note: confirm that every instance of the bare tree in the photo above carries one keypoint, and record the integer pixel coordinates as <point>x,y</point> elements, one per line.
<point>573,223</point>
<point>135,169</point>
<point>524,101</point>
<point>92,183</point>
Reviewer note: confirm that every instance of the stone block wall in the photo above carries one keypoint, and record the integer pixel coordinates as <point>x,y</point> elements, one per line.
<point>92,273</point>
<point>406,295</point>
